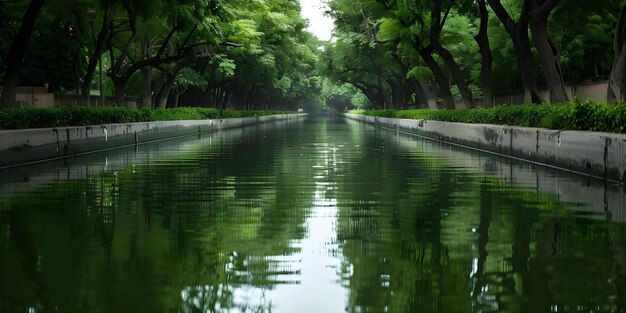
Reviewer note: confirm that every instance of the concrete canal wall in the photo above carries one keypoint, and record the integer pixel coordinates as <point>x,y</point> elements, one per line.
<point>18,147</point>
<point>592,153</point>
<point>590,198</point>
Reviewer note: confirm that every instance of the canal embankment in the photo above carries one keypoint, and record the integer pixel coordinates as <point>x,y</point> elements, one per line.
<point>24,146</point>
<point>597,154</point>
<point>594,199</point>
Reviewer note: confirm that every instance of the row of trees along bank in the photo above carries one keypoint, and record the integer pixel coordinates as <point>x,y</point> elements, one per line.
<point>246,54</point>
<point>238,53</point>
<point>403,53</point>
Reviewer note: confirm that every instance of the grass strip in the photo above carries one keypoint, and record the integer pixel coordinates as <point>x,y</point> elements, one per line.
<point>587,116</point>
<point>20,118</point>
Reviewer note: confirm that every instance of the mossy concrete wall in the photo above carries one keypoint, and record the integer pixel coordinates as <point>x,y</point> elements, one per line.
<point>592,153</point>
<point>25,146</point>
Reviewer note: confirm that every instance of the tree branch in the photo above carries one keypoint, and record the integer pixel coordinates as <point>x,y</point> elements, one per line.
<point>167,40</point>
<point>231,44</point>
<point>503,16</point>
<point>188,36</point>
<point>148,62</point>
<point>445,17</point>
<point>124,54</point>
<point>544,9</point>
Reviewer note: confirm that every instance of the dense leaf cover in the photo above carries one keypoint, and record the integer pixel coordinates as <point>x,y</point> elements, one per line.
<point>240,54</point>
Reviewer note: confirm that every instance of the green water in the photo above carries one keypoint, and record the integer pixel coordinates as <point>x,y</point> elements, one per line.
<point>319,215</point>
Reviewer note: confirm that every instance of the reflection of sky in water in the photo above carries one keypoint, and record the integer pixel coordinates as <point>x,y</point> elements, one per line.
<point>315,287</point>
<point>319,289</point>
<point>315,216</point>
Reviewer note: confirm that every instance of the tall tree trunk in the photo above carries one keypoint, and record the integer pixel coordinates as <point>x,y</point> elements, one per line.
<point>229,99</point>
<point>218,97</point>
<point>85,89</point>
<point>176,99</point>
<point>457,74</point>
<point>526,68</point>
<point>518,31</point>
<point>368,94</point>
<point>421,100</point>
<point>429,91</point>
<point>157,90</point>
<point>120,92</point>
<point>249,97</point>
<point>146,72</point>
<point>482,39</point>
<point>165,91</point>
<point>617,80</point>
<point>440,77</point>
<point>236,93</point>
<point>383,95</point>
<point>397,99</point>
<point>548,51</point>
<point>16,52</point>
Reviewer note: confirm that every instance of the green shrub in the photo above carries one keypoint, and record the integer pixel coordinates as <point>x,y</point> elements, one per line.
<point>19,118</point>
<point>578,115</point>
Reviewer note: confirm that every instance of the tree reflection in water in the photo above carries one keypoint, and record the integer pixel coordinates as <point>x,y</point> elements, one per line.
<point>317,215</point>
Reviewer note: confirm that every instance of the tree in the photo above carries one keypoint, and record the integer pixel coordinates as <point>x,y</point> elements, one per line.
<point>421,37</point>
<point>109,10</point>
<point>16,52</point>
<point>547,48</point>
<point>436,27</point>
<point>482,38</point>
<point>583,31</point>
<point>617,79</point>
<point>145,40</point>
<point>375,52</point>
<point>518,32</point>
<point>479,10</point>
<point>275,63</point>
<point>186,79</point>
<point>256,54</point>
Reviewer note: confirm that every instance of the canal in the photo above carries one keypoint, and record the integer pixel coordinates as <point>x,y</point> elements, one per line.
<point>315,215</point>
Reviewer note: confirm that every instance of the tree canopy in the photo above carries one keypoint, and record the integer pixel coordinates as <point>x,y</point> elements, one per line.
<point>461,53</point>
<point>252,54</point>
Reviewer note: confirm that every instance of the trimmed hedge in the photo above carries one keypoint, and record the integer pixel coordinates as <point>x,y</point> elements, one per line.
<point>589,116</point>
<point>19,118</point>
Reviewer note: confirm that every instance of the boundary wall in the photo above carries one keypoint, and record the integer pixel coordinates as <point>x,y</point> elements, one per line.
<point>596,154</point>
<point>24,146</point>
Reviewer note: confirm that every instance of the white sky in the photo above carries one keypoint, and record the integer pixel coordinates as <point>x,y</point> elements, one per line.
<point>320,25</point>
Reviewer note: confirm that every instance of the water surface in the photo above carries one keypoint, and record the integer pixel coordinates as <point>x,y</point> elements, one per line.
<point>319,215</point>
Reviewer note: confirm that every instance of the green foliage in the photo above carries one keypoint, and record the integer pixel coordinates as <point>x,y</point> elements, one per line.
<point>588,116</point>
<point>188,78</point>
<point>254,53</point>
<point>20,118</point>
<point>359,100</point>
<point>342,96</point>
<point>584,32</point>
<point>225,67</point>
